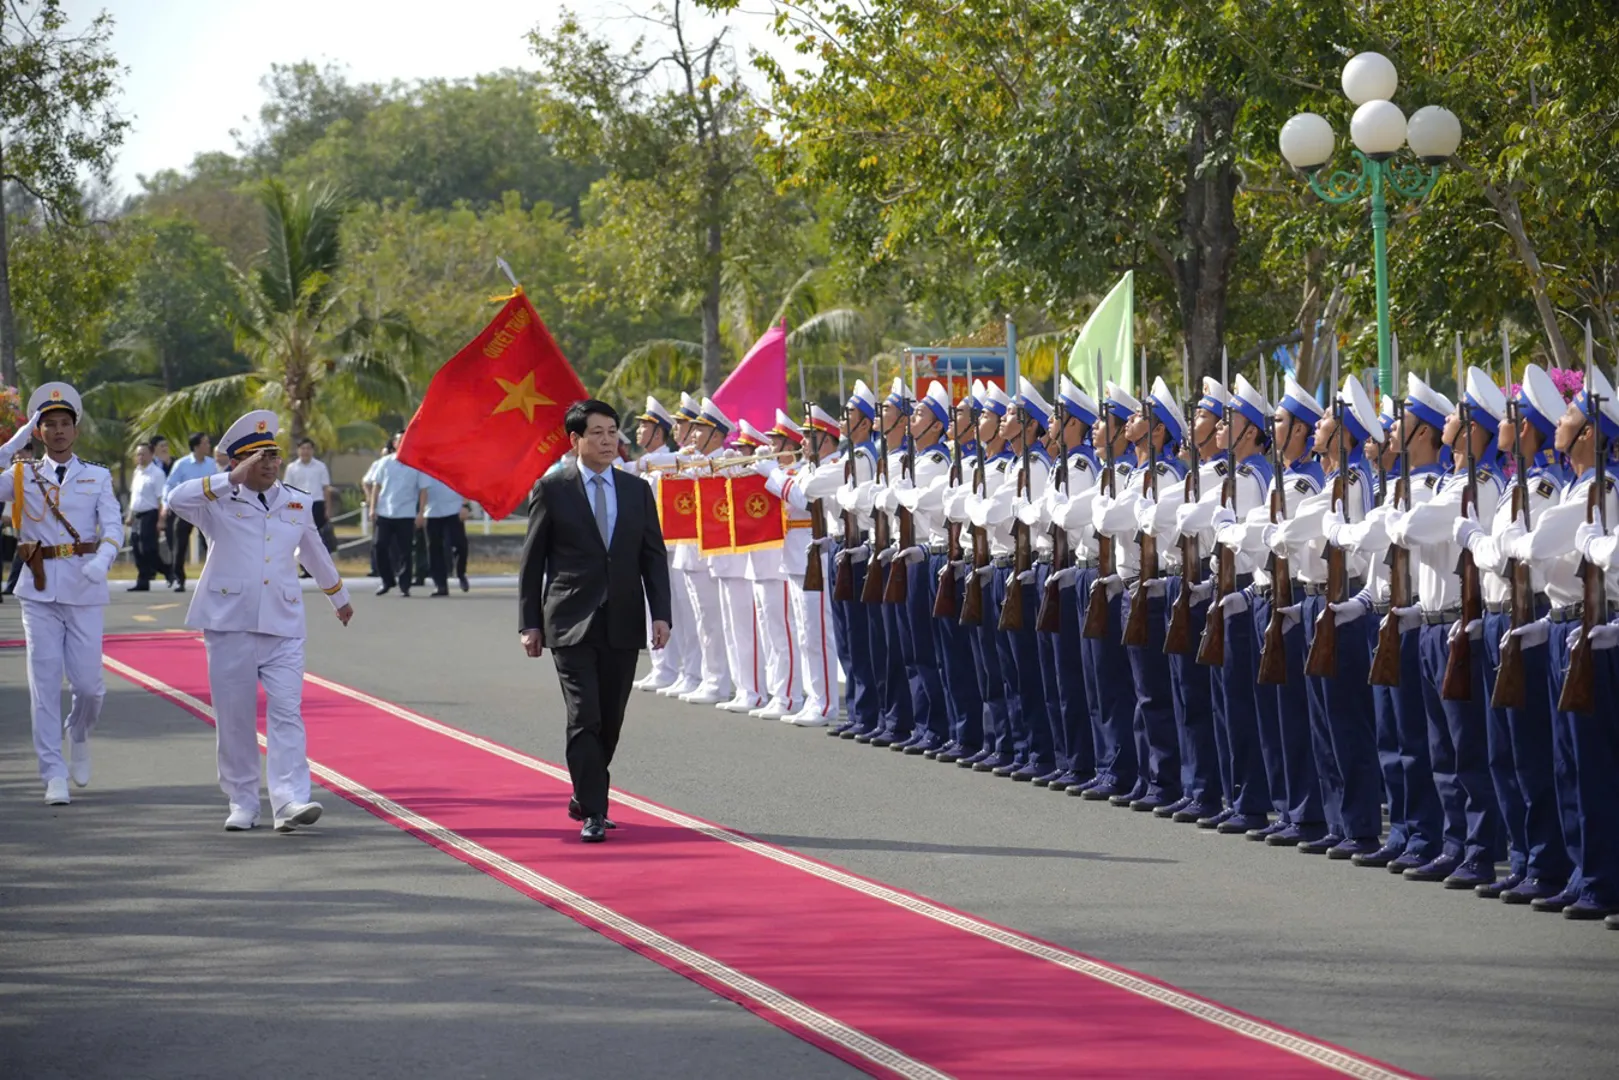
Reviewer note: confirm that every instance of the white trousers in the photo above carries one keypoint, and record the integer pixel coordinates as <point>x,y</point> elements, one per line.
<point>63,640</point>
<point>784,676</point>
<point>238,662</point>
<point>817,656</point>
<point>680,657</point>
<point>741,635</point>
<point>704,593</point>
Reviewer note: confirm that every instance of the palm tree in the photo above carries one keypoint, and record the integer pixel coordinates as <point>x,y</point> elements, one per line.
<point>319,357</point>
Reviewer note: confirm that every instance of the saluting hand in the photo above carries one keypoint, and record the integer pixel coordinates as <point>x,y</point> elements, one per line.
<point>244,468</point>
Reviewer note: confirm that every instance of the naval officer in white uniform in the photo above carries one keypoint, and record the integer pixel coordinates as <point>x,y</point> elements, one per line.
<point>249,606</point>
<point>69,529</point>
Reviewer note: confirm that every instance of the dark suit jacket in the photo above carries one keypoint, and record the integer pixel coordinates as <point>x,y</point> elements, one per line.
<point>567,573</point>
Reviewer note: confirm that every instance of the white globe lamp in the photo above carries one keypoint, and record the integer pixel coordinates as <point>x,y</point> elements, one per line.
<point>1370,76</point>
<point>1307,141</point>
<point>1434,134</point>
<point>1378,129</point>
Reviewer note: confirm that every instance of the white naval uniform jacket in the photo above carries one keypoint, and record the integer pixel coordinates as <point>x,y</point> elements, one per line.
<point>250,581</point>
<point>86,499</point>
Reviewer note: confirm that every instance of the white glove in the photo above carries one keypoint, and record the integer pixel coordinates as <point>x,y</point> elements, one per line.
<point>1464,530</point>
<point>1234,603</point>
<point>1530,635</point>
<point>1475,629</point>
<point>823,542</point>
<point>1029,513</point>
<point>1347,612</point>
<point>1063,578</point>
<point>765,467</point>
<point>1410,617</point>
<point>1605,636</point>
<point>985,572</point>
<point>94,570</point>
<point>1027,577</point>
<point>1202,591</point>
<point>1183,514</point>
<point>1275,538</point>
<point>1114,583</point>
<point>20,438</point>
<point>886,556</point>
<point>859,554</point>
<point>1290,617</point>
<point>914,554</point>
<point>1584,536</point>
<point>1155,586</point>
<point>1224,516</point>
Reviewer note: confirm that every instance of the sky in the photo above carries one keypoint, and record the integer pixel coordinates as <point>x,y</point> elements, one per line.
<point>193,66</point>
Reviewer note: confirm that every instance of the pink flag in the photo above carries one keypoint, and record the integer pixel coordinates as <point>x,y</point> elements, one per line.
<point>758,386</point>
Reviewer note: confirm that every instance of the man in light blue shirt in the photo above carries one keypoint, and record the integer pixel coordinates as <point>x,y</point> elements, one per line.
<point>199,463</point>
<point>446,526</point>
<point>398,506</point>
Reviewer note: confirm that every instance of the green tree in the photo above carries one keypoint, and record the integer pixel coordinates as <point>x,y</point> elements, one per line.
<point>176,302</point>
<point>55,119</point>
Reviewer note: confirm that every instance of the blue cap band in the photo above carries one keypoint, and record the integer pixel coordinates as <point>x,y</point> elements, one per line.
<point>1482,416</point>
<point>1040,416</point>
<point>1249,410</point>
<point>1212,404</point>
<point>1426,413</point>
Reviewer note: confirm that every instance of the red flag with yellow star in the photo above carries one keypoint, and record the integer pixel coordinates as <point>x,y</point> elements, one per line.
<point>491,421</point>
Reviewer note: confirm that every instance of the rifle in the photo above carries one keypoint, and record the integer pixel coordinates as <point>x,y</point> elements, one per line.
<point>1211,649</point>
<point>1178,634</point>
<point>1012,614</point>
<point>1097,611</point>
<point>1135,627</point>
<point>843,572</point>
<point>1048,620</point>
<point>1579,685</point>
<point>1509,685</point>
<point>813,573</point>
<point>1385,670</point>
<point>972,597</point>
<point>872,591</point>
<point>898,577</point>
<point>1457,684</point>
<point>1273,653</point>
<point>1322,661</point>
<point>944,598</point>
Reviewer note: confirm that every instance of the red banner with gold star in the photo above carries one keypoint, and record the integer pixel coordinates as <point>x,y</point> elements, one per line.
<point>713,515</point>
<point>491,420</point>
<point>677,509</point>
<point>758,518</point>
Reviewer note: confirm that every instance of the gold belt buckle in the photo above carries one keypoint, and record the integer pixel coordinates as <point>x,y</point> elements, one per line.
<point>64,551</point>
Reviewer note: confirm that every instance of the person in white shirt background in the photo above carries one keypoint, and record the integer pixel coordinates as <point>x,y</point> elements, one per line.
<point>145,504</point>
<point>446,536</point>
<point>309,475</point>
<point>398,505</point>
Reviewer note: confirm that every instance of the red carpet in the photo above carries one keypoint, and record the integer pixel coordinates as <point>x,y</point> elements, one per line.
<point>890,982</point>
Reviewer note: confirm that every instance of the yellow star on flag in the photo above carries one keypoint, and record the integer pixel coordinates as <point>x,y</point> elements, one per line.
<point>521,395</point>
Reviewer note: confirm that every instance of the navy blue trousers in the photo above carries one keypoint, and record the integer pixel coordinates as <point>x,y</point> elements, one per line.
<point>964,702</point>
<point>851,630</point>
<point>1498,730</point>
<point>1020,660</point>
<point>890,642</point>
<point>1236,698</point>
<point>993,687</point>
<point>1284,729</point>
<point>1460,749</point>
<point>1192,687</point>
<point>1344,733</point>
<point>1531,730</point>
<point>1156,737</point>
<point>1594,744</point>
<point>1110,693</point>
<point>1065,682</point>
<point>928,709</point>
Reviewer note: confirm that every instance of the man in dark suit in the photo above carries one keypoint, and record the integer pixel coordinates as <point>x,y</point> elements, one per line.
<point>592,565</point>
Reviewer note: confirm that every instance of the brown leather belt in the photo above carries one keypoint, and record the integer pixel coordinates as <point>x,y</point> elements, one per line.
<point>33,555</point>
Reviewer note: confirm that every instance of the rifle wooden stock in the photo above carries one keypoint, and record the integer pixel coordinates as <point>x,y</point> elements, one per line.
<point>898,573</point>
<point>1013,617</point>
<point>1510,692</point>
<point>1386,657</point>
<point>1048,620</point>
<point>1136,631</point>
<point>1579,685</point>
<point>1097,614</point>
<point>944,598</point>
<point>1457,683</point>
<point>1322,660</point>
<point>843,577</point>
<point>972,597</point>
<point>1211,649</point>
<point>1178,634</point>
<point>871,590</point>
<point>1273,652</point>
<point>814,576</point>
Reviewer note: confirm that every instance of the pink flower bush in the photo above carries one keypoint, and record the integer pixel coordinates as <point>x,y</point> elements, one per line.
<point>11,414</point>
<point>1568,382</point>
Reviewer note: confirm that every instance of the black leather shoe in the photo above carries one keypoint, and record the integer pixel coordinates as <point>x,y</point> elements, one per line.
<point>439,592</point>
<point>384,590</point>
<point>594,830</point>
<point>578,814</point>
<point>466,586</point>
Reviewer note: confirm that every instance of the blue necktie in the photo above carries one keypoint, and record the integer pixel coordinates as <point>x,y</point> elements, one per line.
<point>601,507</point>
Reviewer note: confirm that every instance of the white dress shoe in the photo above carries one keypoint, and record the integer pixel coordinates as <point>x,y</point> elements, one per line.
<point>241,818</point>
<point>704,697</point>
<point>653,682</point>
<point>809,716</point>
<point>742,702</point>
<point>56,792</point>
<point>78,765</point>
<point>775,709</point>
<point>680,687</point>
<point>292,815</point>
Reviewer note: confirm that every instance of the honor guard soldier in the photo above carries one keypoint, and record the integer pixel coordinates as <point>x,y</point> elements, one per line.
<point>695,652</point>
<point>249,607</point>
<point>851,619</point>
<point>1458,741</point>
<point>1539,833</point>
<point>68,526</point>
<point>653,430</point>
<point>963,694</point>
<point>1560,541</point>
<point>730,573</point>
<point>895,665</point>
<point>706,434</point>
<point>1342,721</point>
<point>781,675</point>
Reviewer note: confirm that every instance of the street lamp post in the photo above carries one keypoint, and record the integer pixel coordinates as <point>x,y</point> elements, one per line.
<point>1378,129</point>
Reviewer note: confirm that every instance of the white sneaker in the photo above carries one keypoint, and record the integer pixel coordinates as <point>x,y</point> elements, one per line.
<point>775,709</point>
<point>680,687</point>
<point>704,697</point>
<point>653,682</point>
<point>292,815</point>
<point>56,792</point>
<point>742,703</point>
<point>808,716</point>
<point>78,766</point>
<point>241,818</point>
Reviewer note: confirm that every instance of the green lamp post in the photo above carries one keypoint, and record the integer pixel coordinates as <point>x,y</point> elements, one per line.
<point>1378,129</point>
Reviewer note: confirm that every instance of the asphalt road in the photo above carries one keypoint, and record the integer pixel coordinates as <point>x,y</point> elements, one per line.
<point>137,939</point>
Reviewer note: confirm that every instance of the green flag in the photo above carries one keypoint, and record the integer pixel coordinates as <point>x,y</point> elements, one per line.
<point>1110,330</point>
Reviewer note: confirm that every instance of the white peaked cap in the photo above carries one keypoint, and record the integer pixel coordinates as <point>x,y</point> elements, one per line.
<point>1360,414</point>
<point>1428,404</point>
<point>1300,402</point>
<point>1483,395</point>
<point>1030,398</point>
<point>1079,404</point>
<point>54,395</point>
<point>1248,401</point>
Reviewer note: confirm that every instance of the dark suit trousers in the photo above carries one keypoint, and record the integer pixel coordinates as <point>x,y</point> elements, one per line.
<point>148,562</point>
<point>445,532</point>
<point>596,681</point>
<point>180,545</point>
<point>392,544</point>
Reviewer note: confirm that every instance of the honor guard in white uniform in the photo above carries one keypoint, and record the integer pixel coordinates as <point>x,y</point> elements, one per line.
<point>653,430</point>
<point>775,668</point>
<point>708,431</point>
<point>249,607</point>
<point>687,626</point>
<point>797,485</point>
<point>69,529</point>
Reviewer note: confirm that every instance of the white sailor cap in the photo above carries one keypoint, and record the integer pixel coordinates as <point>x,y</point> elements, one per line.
<point>689,408</point>
<point>899,396</point>
<point>1080,405</point>
<point>1030,401</point>
<point>255,431</point>
<point>1487,405</point>
<point>657,414</point>
<point>1539,400</point>
<point>995,399</point>
<point>1300,402</point>
<point>1385,412</point>
<point>787,428</point>
<point>863,399</point>
<point>1598,382</point>
<point>1215,397</point>
<point>1250,403</point>
<point>977,392</point>
<point>1360,415</point>
<point>821,420</point>
<point>709,415</point>
<point>937,400</point>
<point>1167,409</point>
<point>1426,403</point>
<point>52,396</point>
<point>1120,402</point>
